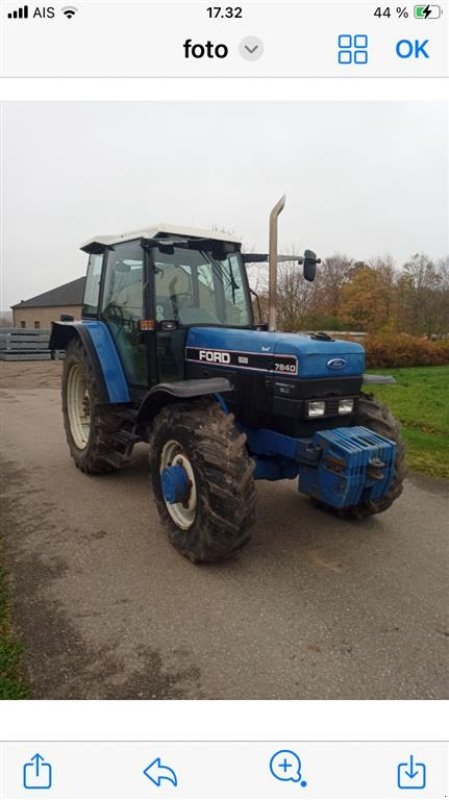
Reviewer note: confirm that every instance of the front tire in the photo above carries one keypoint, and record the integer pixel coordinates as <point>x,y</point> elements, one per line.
<point>99,436</point>
<point>213,521</point>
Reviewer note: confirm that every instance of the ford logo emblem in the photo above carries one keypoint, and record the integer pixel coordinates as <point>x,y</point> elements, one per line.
<point>337,363</point>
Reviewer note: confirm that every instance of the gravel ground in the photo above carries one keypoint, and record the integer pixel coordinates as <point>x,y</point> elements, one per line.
<point>30,374</point>
<point>314,607</point>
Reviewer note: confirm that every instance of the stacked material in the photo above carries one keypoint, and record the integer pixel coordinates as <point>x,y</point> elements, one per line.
<point>26,344</point>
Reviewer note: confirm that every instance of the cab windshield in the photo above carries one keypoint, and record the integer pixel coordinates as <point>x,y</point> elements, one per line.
<point>201,287</point>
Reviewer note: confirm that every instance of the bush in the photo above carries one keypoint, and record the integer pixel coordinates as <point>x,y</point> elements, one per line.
<point>400,350</point>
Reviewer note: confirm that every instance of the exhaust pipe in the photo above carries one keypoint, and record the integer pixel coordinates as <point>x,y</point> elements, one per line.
<point>272,291</point>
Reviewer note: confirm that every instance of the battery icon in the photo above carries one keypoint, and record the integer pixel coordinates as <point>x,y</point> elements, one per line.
<point>428,12</point>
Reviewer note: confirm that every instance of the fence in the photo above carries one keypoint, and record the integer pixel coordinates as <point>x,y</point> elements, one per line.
<point>26,344</point>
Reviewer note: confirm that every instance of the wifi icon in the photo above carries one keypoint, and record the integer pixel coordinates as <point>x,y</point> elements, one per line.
<point>69,11</point>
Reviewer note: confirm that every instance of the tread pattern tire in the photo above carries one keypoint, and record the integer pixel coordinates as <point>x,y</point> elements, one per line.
<point>223,474</point>
<point>111,435</point>
<point>377,417</point>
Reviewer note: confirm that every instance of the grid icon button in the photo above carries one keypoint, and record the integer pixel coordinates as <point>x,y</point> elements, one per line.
<point>353,49</point>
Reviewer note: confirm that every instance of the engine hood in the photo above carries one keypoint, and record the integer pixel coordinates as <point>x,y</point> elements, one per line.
<point>279,353</point>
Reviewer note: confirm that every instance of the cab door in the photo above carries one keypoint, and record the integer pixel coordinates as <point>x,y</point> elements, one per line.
<point>122,307</point>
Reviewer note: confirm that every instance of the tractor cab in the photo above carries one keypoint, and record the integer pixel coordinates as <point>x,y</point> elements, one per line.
<point>149,287</point>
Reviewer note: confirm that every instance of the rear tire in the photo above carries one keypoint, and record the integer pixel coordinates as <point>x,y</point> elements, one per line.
<point>378,418</point>
<point>99,436</point>
<point>214,522</point>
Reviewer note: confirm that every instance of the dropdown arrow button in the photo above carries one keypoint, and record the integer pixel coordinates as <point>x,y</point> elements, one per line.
<point>251,48</point>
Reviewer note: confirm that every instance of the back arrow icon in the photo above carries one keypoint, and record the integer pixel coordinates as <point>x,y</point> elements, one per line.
<point>158,772</point>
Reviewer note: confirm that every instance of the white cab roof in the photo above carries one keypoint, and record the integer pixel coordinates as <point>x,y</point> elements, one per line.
<point>156,230</point>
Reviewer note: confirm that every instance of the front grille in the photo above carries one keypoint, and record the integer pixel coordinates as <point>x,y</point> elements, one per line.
<point>317,388</point>
<point>332,406</point>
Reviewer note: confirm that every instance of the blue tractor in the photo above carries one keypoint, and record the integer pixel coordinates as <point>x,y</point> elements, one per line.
<point>168,352</point>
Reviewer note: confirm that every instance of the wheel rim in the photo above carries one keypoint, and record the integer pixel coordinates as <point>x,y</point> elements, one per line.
<point>78,407</point>
<point>182,514</point>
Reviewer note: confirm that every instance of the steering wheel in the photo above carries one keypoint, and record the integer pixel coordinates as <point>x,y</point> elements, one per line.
<point>114,313</point>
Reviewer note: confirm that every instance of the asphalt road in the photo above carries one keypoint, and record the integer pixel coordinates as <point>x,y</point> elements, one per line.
<point>314,607</point>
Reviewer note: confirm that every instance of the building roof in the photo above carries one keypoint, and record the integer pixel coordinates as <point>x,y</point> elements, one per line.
<point>161,228</point>
<point>69,294</point>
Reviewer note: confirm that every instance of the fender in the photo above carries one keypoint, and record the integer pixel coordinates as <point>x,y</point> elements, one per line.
<point>100,347</point>
<point>164,393</point>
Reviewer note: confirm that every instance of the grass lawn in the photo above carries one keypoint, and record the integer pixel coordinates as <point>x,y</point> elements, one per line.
<point>12,686</point>
<point>420,401</point>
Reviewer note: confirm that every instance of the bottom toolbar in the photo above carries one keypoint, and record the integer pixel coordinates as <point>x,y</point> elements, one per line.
<point>224,770</point>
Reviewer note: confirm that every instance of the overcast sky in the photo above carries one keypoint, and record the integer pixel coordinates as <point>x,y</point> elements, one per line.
<point>362,179</point>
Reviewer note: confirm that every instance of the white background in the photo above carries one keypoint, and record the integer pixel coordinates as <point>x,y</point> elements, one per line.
<point>174,720</point>
<point>138,38</point>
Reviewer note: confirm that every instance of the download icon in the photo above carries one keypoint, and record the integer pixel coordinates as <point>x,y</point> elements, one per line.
<point>411,774</point>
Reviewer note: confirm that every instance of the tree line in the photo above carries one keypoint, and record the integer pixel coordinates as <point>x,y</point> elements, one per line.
<point>372,296</point>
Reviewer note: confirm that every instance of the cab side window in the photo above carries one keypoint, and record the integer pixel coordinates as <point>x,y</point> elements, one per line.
<point>122,307</point>
<point>124,280</point>
<point>92,287</point>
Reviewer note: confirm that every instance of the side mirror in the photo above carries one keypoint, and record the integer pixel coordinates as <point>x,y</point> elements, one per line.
<point>309,265</point>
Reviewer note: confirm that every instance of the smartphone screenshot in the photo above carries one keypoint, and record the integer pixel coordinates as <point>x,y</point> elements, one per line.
<point>224,361</point>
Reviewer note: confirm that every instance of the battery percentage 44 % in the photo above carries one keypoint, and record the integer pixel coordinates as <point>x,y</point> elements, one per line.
<point>400,11</point>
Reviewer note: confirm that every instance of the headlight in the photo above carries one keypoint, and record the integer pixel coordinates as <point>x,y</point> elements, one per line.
<point>346,406</point>
<point>316,408</point>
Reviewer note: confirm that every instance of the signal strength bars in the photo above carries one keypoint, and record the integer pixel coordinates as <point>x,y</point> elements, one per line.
<point>20,13</point>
